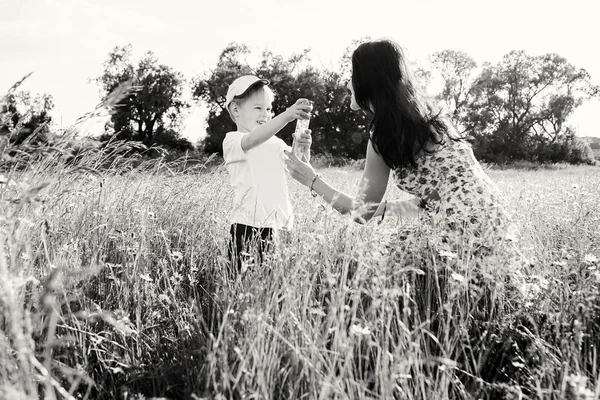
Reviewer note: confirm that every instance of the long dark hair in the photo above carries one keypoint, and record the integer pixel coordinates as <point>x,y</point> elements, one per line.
<point>404,121</point>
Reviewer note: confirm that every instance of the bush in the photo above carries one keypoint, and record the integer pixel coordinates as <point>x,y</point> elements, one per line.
<point>570,149</point>
<point>536,149</point>
<point>172,140</point>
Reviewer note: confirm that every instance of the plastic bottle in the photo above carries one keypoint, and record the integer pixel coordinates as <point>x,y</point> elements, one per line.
<point>297,149</point>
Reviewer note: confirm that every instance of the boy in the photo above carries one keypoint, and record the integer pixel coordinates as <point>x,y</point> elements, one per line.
<point>255,161</point>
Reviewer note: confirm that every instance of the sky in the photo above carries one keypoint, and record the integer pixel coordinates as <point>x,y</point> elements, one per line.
<point>65,42</point>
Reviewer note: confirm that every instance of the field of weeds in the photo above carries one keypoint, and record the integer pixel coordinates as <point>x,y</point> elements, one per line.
<point>113,284</point>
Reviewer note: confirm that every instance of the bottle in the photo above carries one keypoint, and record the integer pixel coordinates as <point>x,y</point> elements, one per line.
<point>301,126</point>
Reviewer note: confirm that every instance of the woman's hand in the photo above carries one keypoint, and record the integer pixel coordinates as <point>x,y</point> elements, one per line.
<point>299,170</point>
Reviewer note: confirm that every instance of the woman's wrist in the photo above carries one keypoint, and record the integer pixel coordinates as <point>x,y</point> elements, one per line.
<point>312,184</point>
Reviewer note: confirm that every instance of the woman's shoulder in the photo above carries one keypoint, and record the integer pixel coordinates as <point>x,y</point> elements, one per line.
<point>446,145</point>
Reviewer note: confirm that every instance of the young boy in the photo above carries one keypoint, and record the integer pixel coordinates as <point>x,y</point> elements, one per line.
<point>254,159</point>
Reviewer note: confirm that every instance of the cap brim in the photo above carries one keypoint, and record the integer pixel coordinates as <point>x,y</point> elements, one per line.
<point>260,81</point>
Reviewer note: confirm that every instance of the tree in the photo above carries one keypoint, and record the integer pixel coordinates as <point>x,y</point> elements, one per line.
<point>212,90</point>
<point>345,64</point>
<point>457,71</point>
<point>335,129</point>
<point>27,117</point>
<point>522,100</point>
<point>156,104</point>
<point>422,76</point>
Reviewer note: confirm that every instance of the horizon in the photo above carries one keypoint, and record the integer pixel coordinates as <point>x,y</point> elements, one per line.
<point>65,42</point>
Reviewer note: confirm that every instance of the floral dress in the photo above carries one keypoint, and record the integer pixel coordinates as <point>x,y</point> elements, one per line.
<point>466,201</point>
<point>467,236</point>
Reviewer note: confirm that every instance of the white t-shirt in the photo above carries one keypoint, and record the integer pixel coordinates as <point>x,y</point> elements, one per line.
<point>258,179</point>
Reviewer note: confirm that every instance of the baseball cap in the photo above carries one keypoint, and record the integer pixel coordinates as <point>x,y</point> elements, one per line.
<point>240,86</point>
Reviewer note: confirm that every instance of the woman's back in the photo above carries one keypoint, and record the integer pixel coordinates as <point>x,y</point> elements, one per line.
<point>468,201</point>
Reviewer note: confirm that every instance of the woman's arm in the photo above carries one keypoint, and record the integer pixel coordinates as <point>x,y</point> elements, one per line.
<point>407,208</point>
<point>371,190</point>
<point>338,200</point>
<point>399,208</point>
<point>373,183</point>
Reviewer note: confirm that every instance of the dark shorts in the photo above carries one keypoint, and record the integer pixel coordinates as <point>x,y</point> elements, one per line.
<point>247,243</point>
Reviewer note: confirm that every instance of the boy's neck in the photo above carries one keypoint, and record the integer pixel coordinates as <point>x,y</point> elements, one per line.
<point>241,129</point>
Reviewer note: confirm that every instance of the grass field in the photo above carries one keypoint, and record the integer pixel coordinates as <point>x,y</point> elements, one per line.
<point>114,285</point>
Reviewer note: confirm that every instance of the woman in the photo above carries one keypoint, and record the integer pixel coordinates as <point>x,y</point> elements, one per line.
<point>418,146</point>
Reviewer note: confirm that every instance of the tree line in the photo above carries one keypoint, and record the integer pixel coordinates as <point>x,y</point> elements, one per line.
<point>515,109</point>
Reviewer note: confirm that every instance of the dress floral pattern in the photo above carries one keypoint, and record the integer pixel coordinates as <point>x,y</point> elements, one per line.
<point>465,200</point>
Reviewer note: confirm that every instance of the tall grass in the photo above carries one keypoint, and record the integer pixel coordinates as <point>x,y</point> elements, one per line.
<point>114,284</point>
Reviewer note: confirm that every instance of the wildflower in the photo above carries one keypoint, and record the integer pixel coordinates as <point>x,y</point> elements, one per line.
<point>176,278</point>
<point>359,330</point>
<point>32,280</point>
<point>176,255</point>
<point>121,321</point>
<point>447,254</point>
<point>558,263</point>
<point>577,388</point>
<point>317,311</point>
<point>164,298</point>
<point>530,291</point>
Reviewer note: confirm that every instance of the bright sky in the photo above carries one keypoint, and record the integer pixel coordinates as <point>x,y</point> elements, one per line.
<point>65,42</point>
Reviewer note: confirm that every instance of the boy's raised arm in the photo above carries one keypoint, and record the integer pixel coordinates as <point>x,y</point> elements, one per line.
<point>264,132</point>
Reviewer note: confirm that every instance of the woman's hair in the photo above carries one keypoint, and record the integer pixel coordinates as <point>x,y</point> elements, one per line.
<point>404,121</point>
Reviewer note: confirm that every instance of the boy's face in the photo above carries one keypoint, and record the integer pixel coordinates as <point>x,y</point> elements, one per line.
<point>255,111</point>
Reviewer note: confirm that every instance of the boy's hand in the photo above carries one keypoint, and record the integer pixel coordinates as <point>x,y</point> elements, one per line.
<point>305,139</point>
<point>300,110</point>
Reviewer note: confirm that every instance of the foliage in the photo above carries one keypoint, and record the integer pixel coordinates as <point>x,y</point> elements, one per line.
<point>522,103</point>
<point>24,117</point>
<point>335,129</point>
<point>457,71</point>
<point>157,104</point>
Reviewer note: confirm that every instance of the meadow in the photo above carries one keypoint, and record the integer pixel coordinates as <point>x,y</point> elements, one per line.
<point>114,284</point>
